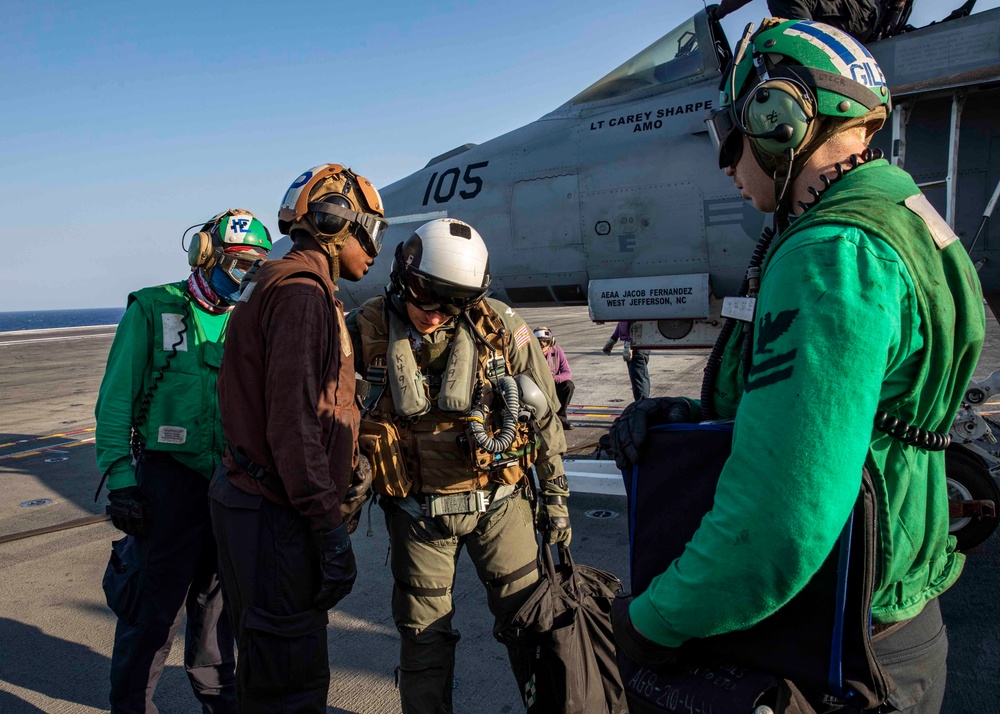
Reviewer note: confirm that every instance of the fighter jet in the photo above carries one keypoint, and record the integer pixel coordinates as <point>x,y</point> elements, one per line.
<point>613,200</point>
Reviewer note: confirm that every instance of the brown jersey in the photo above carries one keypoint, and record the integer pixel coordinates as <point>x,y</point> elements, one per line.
<point>286,388</point>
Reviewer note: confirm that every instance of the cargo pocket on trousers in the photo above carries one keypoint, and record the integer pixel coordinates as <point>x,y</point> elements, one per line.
<point>121,580</point>
<point>285,652</point>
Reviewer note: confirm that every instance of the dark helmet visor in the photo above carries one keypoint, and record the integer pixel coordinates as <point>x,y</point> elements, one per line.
<point>435,295</point>
<point>726,138</point>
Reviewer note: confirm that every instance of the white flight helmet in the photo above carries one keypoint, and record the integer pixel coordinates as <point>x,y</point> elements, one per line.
<point>444,266</point>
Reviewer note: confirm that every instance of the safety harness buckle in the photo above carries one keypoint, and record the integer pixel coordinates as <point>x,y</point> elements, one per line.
<point>449,504</point>
<point>376,374</point>
<point>496,366</point>
<point>455,503</point>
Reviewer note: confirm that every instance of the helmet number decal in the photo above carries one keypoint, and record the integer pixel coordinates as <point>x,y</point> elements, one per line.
<point>236,228</point>
<point>447,183</point>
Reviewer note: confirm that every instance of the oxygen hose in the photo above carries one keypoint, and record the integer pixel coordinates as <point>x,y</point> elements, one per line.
<point>508,432</point>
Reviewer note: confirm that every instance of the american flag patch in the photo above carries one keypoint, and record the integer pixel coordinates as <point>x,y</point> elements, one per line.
<point>522,336</point>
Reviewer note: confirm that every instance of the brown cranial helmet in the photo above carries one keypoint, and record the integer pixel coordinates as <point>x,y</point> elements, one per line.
<point>331,203</point>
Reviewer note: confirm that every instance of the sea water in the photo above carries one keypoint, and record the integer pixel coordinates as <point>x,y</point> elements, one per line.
<point>45,319</point>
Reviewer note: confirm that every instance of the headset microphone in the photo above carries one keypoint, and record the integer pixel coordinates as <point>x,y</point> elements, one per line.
<point>782,132</point>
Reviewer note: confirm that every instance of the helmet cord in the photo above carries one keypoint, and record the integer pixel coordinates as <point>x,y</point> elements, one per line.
<point>750,283</point>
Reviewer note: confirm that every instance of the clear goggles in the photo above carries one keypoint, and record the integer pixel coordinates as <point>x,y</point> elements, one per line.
<point>431,295</point>
<point>236,263</point>
<point>369,229</point>
<point>726,137</point>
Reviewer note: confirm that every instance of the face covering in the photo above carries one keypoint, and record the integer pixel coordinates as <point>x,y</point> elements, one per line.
<point>225,287</point>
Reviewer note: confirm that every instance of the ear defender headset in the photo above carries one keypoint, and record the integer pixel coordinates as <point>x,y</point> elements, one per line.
<point>777,115</point>
<point>201,251</point>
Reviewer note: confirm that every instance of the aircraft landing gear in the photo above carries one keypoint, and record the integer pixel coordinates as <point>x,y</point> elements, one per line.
<point>973,497</point>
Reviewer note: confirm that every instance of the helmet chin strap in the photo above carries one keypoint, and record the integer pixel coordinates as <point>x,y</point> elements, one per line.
<point>332,249</point>
<point>333,260</point>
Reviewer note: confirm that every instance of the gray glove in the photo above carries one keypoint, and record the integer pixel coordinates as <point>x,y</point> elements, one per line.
<point>553,511</point>
<point>608,346</point>
<point>628,433</point>
<point>337,566</point>
<point>129,510</point>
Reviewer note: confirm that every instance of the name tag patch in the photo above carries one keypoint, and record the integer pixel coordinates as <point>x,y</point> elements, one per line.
<point>172,435</point>
<point>739,308</point>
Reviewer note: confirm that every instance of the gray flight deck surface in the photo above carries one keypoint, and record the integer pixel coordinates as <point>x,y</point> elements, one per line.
<point>56,631</point>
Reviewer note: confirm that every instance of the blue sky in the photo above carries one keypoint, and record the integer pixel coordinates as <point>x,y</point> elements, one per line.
<point>122,123</point>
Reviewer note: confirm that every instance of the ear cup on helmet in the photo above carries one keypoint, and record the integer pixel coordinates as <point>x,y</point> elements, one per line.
<point>201,252</point>
<point>329,224</point>
<point>779,115</point>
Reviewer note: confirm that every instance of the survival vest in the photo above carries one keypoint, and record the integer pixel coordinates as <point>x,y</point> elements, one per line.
<point>425,407</point>
<point>182,416</point>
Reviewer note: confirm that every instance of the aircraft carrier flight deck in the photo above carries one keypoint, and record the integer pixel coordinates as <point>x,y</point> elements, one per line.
<point>57,631</point>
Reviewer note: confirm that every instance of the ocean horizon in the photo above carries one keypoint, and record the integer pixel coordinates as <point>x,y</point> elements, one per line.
<point>49,319</point>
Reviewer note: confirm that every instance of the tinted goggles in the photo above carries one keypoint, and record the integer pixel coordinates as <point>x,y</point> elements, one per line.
<point>236,263</point>
<point>726,137</point>
<point>369,229</point>
<point>435,296</point>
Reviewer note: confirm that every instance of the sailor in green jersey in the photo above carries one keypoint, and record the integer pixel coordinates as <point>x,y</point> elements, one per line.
<point>867,326</point>
<point>159,438</point>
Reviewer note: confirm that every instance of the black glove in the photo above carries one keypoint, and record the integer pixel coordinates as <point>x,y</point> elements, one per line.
<point>608,346</point>
<point>553,511</point>
<point>633,644</point>
<point>337,566</point>
<point>129,510</point>
<point>628,433</point>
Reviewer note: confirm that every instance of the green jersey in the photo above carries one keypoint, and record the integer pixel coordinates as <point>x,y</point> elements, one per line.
<point>163,333</point>
<point>861,308</point>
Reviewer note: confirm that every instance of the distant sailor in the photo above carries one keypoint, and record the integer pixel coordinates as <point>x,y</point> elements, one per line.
<point>843,383</point>
<point>559,368</point>
<point>159,438</point>
<point>292,483</point>
<point>637,360</point>
<point>447,368</point>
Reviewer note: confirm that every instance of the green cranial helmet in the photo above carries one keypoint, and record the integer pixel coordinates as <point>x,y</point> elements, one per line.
<point>229,233</point>
<point>789,84</point>
<point>237,227</point>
